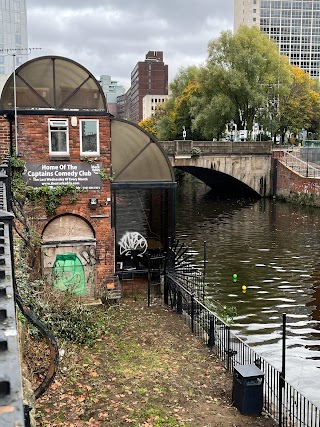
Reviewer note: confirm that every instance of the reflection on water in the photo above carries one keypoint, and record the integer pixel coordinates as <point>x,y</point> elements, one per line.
<point>274,248</point>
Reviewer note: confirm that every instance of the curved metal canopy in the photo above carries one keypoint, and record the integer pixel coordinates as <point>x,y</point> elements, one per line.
<point>136,156</point>
<point>53,82</point>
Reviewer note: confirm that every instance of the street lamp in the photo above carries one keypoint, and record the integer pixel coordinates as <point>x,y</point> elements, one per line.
<point>15,102</point>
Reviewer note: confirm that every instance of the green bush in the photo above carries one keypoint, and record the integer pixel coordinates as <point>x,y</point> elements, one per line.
<point>61,312</point>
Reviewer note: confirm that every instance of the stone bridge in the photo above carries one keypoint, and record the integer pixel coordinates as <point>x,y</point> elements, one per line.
<point>223,165</point>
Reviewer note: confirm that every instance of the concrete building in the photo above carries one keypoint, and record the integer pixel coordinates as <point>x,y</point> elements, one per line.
<point>112,89</point>
<point>13,37</point>
<point>149,77</point>
<point>293,25</point>
<point>150,104</point>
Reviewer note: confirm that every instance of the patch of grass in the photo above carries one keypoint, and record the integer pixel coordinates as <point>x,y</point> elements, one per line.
<point>157,417</point>
<point>145,370</point>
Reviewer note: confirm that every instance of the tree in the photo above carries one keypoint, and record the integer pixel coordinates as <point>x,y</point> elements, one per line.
<point>176,111</point>
<point>300,108</point>
<point>241,74</point>
<point>150,125</point>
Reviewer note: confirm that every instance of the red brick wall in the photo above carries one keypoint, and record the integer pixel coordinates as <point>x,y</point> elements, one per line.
<point>4,136</point>
<point>33,146</point>
<point>293,187</point>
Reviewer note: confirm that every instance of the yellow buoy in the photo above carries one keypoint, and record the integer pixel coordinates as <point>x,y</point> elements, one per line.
<point>244,288</point>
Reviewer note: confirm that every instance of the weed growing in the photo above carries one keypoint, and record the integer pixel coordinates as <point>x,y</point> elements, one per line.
<point>60,311</point>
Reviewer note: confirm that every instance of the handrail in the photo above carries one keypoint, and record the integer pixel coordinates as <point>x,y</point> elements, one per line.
<point>299,166</point>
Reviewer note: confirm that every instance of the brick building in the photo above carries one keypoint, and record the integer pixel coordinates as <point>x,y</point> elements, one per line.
<point>149,77</point>
<point>59,126</point>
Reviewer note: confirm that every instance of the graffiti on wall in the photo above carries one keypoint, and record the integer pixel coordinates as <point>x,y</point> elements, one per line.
<point>71,266</point>
<point>68,273</point>
<point>132,241</point>
<point>88,255</point>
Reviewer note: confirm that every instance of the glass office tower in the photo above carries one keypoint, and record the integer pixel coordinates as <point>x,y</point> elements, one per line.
<point>13,35</point>
<point>293,25</point>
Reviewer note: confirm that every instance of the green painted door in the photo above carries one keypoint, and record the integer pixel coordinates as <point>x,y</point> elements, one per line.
<point>68,273</point>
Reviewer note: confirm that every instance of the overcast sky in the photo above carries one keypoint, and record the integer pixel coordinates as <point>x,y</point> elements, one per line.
<point>111,36</point>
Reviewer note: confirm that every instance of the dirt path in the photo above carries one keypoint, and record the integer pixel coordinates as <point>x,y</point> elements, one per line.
<point>147,369</point>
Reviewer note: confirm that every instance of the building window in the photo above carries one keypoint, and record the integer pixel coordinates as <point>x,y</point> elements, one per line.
<point>58,136</point>
<point>18,39</point>
<point>89,137</point>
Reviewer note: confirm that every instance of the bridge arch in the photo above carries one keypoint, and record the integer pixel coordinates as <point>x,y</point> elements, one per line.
<point>241,165</point>
<point>220,182</point>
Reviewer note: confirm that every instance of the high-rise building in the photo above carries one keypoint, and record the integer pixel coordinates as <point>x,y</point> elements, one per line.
<point>293,25</point>
<point>112,89</point>
<point>13,34</point>
<point>149,77</point>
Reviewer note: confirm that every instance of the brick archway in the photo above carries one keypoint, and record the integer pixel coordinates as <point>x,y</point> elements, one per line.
<point>66,239</point>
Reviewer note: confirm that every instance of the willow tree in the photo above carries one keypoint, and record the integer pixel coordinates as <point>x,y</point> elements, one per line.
<point>242,74</point>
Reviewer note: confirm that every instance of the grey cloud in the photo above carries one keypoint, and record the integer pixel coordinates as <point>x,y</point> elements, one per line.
<point>110,37</point>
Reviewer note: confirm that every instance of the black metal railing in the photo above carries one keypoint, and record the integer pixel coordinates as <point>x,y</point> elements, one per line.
<point>12,410</point>
<point>281,401</point>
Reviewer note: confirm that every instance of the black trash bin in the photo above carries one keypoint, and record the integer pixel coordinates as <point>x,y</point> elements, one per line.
<point>247,391</point>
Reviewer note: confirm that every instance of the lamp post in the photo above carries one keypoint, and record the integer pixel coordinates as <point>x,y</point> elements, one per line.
<point>15,102</point>
<point>307,171</point>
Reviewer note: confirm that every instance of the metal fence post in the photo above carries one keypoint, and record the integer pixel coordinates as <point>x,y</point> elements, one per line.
<point>149,281</point>
<point>165,291</point>
<point>192,313</point>
<point>211,338</point>
<point>174,298</point>
<point>179,302</point>
<point>26,410</point>
<point>282,375</point>
<point>228,348</point>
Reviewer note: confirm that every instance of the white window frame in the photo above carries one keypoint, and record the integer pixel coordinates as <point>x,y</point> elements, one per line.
<point>58,123</point>
<point>90,153</point>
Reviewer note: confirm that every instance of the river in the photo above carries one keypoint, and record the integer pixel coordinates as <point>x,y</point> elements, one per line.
<point>274,248</point>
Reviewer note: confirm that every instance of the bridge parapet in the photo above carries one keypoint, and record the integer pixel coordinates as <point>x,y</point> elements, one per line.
<point>180,147</point>
<point>248,162</point>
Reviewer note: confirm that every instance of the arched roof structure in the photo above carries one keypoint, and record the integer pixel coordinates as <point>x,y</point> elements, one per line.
<point>137,157</point>
<point>52,82</point>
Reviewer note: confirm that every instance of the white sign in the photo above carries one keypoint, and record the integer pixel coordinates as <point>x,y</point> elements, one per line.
<point>243,133</point>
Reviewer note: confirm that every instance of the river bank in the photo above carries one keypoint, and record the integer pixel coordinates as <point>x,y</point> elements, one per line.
<point>146,369</point>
